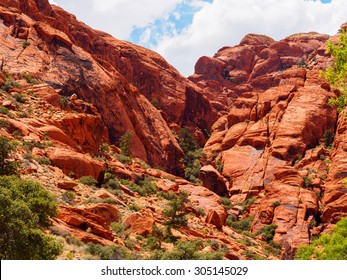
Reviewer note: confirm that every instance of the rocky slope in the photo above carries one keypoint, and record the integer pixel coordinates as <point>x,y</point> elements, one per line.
<point>273,142</point>
<point>69,93</point>
<point>118,78</point>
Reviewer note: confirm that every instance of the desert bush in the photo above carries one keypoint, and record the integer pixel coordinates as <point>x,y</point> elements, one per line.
<point>226,202</point>
<point>4,110</point>
<point>43,160</point>
<point>193,153</point>
<point>115,252</point>
<point>144,187</point>
<point>25,210</point>
<point>247,203</point>
<point>175,211</point>
<point>328,246</point>
<point>134,207</point>
<point>25,44</point>
<point>68,197</point>
<point>328,139</point>
<point>7,166</point>
<point>240,226</point>
<point>124,143</point>
<point>88,181</point>
<point>267,232</point>
<point>19,97</point>
<point>336,74</point>
<point>187,250</point>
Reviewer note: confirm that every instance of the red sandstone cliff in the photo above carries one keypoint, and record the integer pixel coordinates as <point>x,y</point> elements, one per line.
<point>268,142</point>
<point>118,78</point>
<point>271,139</point>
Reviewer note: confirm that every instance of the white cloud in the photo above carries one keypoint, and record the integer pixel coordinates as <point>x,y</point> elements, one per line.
<point>125,15</point>
<point>146,36</point>
<point>52,2</point>
<point>224,23</point>
<point>214,25</point>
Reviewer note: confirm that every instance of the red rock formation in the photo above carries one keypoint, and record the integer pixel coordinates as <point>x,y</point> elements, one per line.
<point>203,198</point>
<point>140,223</point>
<point>212,180</point>
<point>73,162</point>
<point>278,113</point>
<point>88,220</point>
<point>99,69</point>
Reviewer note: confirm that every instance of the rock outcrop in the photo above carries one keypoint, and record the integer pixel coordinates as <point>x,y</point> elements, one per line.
<point>120,79</point>
<point>68,94</point>
<point>271,141</point>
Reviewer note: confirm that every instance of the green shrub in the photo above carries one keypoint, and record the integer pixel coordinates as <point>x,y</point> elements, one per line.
<point>29,79</point>
<point>28,156</point>
<point>19,97</point>
<point>219,166</point>
<point>22,114</point>
<point>155,103</point>
<point>134,207</point>
<point>226,202</point>
<point>167,195</point>
<point>4,123</point>
<point>328,246</point>
<point>193,153</point>
<point>276,204</point>
<point>252,255</point>
<point>68,197</point>
<point>267,232</point>
<point>240,226</point>
<point>43,161</point>
<point>328,139</point>
<point>112,184</point>
<point>175,211</point>
<point>187,250</point>
<point>25,210</point>
<point>88,181</point>
<point>104,148</point>
<point>25,44</point>
<point>124,143</point>
<point>186,141</point>
<point>115,252</point>
<point>4,110</point>
<point>155,238</point>
<point>9,83</point>
<point>7,166</point>
<point>40,145</point>
<point>307,181</point>
<point>247,203</point>
<point>145,187</point>
<point>123,158</point>
<point>336,74</point>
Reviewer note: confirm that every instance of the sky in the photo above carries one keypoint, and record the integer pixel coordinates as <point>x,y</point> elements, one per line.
<point>184,30</point>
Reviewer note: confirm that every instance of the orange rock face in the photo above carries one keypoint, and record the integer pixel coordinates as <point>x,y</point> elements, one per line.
<point>73,162</point>
<point>121,80</point>
<point>89,220</point>
<point>277,114</point>
<point>140,223</point>
<point>207,200</point>
<point>263,102</point>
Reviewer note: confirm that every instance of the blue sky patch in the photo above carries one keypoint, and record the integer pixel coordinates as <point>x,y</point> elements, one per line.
<point>172,24</point>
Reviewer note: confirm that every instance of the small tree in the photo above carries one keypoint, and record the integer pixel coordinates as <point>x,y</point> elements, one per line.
<point>328,139</point>
<point>187,141</point>
<point>25,209</point>
<point>7,167</point>
<point>336,74</point>
<point>175,211</point>
<point>193,153</point>
<point>328,246</point>
<point>124,143</point>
